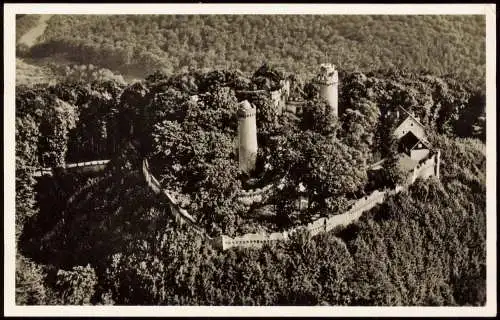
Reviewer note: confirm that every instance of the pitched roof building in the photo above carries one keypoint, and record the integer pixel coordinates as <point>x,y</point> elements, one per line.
<point>411,135</point>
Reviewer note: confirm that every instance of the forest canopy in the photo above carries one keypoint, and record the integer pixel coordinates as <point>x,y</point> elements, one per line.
<point>139,45</point>
<point>147,258</point>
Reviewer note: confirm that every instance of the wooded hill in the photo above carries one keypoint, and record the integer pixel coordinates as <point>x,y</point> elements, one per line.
<point>139,45</point>
<point>115,242</point>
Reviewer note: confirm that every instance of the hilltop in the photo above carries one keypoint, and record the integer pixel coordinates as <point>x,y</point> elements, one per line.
<point>383,259</point>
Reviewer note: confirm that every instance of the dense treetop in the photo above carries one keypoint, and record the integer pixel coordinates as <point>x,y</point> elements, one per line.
<point>384,259</point>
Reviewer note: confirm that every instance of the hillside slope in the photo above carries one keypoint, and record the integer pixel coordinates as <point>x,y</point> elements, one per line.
<point>384,259</point>
<point>138,45</point>
<point>30,37</point>
<point>424,246</point>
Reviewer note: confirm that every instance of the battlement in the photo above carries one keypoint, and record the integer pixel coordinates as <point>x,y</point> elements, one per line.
<point>243,115</point>
<point>327,68</point>
<point>296,100</point>
<point>327,75</point>
<point>246,110</point>
<point>258,195</point>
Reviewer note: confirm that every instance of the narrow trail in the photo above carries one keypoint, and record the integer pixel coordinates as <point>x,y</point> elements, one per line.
<point>30,37</point>
<point>30,71</point>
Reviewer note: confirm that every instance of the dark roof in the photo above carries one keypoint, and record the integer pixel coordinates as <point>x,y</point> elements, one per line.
<point>423,141</point>
<point>408,141</point>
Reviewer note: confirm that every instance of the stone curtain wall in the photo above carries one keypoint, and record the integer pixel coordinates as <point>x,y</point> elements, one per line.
<point>278,97</point>
<point>425,169</point>
<point>257,240</point>
<point>181,215</point>
<point>248,197</point>
<point>89,166</point>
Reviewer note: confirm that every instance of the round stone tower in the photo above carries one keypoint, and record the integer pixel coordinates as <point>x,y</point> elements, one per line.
<point>247,131</point>
<point>328,80</point>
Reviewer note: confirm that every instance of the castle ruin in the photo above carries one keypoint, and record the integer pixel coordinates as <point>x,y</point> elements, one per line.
<point>410,132</point>
<point>417,158</point>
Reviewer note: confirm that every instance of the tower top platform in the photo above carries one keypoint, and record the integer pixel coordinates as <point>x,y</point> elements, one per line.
<point>245,109</point>
<point>327,68</point>
<point>327,74</point>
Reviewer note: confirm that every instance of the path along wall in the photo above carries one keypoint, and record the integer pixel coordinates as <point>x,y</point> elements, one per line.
<point>181,215</point>
<point>425,169</point>
<point>257,240</point>
<point>80,167</point>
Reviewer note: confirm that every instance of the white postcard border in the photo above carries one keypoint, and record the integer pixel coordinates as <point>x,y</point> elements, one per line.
<point>489,10</point>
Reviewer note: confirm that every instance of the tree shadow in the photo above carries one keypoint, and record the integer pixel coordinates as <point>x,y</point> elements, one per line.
<point>101,220</point>
<point>51,194</point>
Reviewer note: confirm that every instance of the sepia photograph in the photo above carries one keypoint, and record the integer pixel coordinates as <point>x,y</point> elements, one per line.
<point>203,155</point>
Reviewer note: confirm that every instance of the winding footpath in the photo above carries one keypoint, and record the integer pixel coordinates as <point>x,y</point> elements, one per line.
<point>30,38</point>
